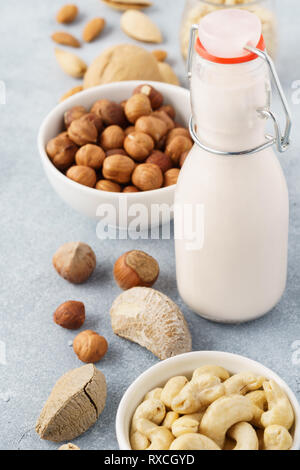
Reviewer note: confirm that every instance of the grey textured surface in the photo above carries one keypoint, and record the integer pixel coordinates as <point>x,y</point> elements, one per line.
<point>34,223</point>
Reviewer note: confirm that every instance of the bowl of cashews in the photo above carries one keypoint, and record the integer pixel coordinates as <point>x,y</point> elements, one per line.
<point>208,400</point>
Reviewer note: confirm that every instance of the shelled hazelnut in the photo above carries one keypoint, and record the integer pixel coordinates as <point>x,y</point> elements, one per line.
<point>147,177</point>
<point>90,155</point>
<point>109,186</point>
<point>89,346</point>
<point>118,168</point>
<point>171,176</point>
<point>112,137</point>
<point>124,147</point>
<point>75,262</point>
<point>61,150</point>
<point>160,159</point>
<point>82,175</point>
<point>70,315</point>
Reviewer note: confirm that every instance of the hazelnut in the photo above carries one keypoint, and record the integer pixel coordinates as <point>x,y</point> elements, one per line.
<point>116,152</point>
<point>74,113</point>
<point>138,145</point>
<point>118,168</point>
<point>110,186</point>
<point>152,126</point>
<point>183,158</point>
<point>112,113</point>
<point>169,110</point>
<point>75,262</point>
<point>160,55</point>
<point>90,155</point>
<point>176,132</point>
<point>177,146</point>
<point>155,97</point>
<point>61,150</point>
<point>82,175</point>
<point>136,268</point>
<point>84,130</point>
<point>137,106</point>
<point>89,346</point>
<point>129,130</point>
<point>69,446</point>
<point>147,177</point>
<point>112,137</point>
<point>130,189</point>
<point>70,315</point>
<point>171,177</point>
<point>160,159</point>
<point>165,118</point>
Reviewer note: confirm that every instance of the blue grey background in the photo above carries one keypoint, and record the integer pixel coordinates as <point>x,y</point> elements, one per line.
<point>35,222</point>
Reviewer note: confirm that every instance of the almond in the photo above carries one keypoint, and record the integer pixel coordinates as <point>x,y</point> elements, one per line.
<point>127,4</point>
<point>70,63</point>
<point>93,29</point>
<point>67,14</point>
<point>65,38</point>
<point>160,55</point>
<point>71,92</point>
<point>140,27</point>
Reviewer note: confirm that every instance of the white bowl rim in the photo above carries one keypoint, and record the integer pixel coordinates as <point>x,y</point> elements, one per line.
<point>216,358</point>
<point>72,100</point>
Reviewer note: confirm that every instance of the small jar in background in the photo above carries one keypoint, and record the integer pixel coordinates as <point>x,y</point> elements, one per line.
<point>197,9</point>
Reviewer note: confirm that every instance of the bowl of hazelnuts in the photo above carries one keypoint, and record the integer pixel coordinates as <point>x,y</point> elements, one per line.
<point>114,152</point>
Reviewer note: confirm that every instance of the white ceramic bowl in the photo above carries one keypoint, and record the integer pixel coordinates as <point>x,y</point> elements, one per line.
<point>88,200</point>
<point>185,364</point>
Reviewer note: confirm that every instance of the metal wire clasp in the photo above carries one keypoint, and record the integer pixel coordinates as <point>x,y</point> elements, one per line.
<point>282,141</point>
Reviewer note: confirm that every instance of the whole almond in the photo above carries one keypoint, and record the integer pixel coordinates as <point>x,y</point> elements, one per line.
<point>70,63</point>
<point>67,14</point>
<point>140,27</point>
<point>70,315</point>
<point>160,55</point>
<point>93,29</point>
<point>71,92</point>
<point>67,39</point>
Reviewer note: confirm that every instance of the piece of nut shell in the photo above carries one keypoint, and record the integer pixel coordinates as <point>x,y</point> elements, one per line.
<point>135,268</point>
<point>70,315</point>
<point>123,5</point>
<point>149,318</point>
<point>155,97</point>
<point>75,262</point>
<point>89,346</point>
<point>74,405</point>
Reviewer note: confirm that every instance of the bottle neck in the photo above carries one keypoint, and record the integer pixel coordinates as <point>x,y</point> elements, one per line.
<point>226,100</point>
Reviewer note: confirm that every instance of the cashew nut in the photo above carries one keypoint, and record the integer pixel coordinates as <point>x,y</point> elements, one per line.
<point>187,424</point>
<point>198,394</point>
<point>193,441</point>
<point>244,435</point>
<point>260,404</point>
<point>224,413</point>
<point>152,410</point>
<point>280,409</point>
<point>155,393</point>
<point>159,436</point>
<point>243,383</point>
<point>217,371</point>
<point>138,441</point>
<point>277,438</point>
<point>171,416</point>
<point>171,389</point>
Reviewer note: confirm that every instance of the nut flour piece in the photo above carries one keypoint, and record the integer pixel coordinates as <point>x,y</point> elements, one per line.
<point>149,318</point>
<point>74,405</point>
